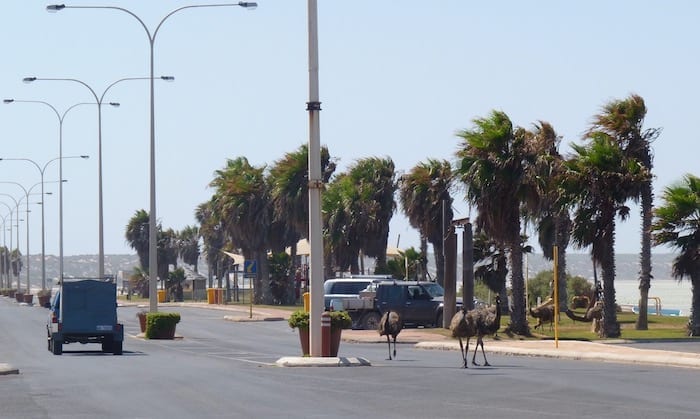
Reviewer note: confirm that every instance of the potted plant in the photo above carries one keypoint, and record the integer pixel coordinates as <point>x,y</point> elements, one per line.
<point>44,297</point>
<point>339,320</point>
<point>161,325</point>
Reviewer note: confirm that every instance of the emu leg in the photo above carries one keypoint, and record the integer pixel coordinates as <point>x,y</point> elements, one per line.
<point>388,342</point>
<point>394,346</point>
<point>464,354</point>
<point>480,340</point>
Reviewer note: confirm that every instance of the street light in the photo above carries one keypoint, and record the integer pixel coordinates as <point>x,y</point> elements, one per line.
<point>11,225</point>
<point>43,238</point>
<point>152,230</point>
<point>27,192</point>
<point>5,270</point>
<point>60,117</point>
<point>99,101</point>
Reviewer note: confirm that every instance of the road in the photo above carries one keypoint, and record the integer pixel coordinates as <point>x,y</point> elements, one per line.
<point>226,369</point>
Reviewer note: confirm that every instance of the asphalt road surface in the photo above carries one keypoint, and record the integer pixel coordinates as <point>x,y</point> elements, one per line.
<point>226,369</point>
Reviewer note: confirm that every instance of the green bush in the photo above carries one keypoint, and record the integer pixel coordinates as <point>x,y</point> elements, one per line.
<point>339,320</point>
<point>541,286</point>
<point>161,325</point>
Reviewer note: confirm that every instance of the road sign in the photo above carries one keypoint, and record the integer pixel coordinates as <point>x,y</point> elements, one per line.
<point>250,268</point>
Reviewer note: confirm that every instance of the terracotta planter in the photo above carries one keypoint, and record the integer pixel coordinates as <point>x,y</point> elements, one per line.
<point>11,293</point>
<point>142,321</point>
<point>28,298</point>
<point>19,296</point>
<point>45,301</point>
<point>304,339</point>
<point>168,333</point>
<point>335,341</point>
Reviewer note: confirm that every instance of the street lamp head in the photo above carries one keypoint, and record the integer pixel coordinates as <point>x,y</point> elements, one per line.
<point>55,7</point>
<point>167,78</point>
<point>84,157</point>
<point>8,100</point>
<point>115,104</point>
<point>29,79</point>
<point>248,4</point>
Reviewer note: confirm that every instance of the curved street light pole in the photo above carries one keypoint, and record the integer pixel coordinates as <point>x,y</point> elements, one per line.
<point>60,117</point>
<point>27,192</point>
<point>42,170</point>
<point>17,230</point>
<point>152,227</point>
<point>6,270</point>
<point>100,208</point>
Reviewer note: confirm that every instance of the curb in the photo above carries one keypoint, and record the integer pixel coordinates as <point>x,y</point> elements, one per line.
<point>591,353</point>
<point>254,319</point>
<point>7,369</point>
<point>306,361</point>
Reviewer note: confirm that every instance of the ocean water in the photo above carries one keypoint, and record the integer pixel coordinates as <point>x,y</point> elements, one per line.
<point>671,293</point>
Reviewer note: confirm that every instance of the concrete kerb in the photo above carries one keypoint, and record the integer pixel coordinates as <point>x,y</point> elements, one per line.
<point>308,361</point>
<point>581,350</point>
<point>7,369</point>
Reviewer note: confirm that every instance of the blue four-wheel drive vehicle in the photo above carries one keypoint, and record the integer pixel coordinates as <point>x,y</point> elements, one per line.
<point>85,311</point>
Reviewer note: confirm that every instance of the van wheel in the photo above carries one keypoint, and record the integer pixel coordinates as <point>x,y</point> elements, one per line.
<point>56,346</point>
<point>107,345</point>
<point>370,321</point>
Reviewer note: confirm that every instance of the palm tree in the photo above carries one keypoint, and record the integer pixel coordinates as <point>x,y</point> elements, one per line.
<point>357,207</point>
<point>212,232</point>
<point>339,206</point>
<point>599,180</point>
<point>188,245</point>
<point>375,179</point>
<point>424,192</point>
<point>495,167</point>
<point>551,211</point>
<point>242,198</point>
<point>137,236</point>
<point>167,252</point>
<point>623,120</point>
<point>677,223</point>
<point>289,191</point>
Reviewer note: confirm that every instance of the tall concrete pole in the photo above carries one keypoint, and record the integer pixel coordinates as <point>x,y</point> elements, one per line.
<point>313,106</point>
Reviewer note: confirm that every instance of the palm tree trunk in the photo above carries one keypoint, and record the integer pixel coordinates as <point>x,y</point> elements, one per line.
<point>645,257</point>
<point>694,323</point>
<point>518,315</point>
<point>423,258</point>
<point>610,327</point>
<point>563,228</point>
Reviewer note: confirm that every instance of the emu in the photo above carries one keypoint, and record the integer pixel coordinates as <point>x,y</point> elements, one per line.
<point>390,325</point>
<point>544,314</point>
<point>478,322</point>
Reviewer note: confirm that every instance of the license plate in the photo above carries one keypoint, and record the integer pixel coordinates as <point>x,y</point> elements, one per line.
<point>104,328</point>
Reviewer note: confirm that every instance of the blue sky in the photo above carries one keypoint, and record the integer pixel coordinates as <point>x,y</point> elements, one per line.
<point>397,79</point>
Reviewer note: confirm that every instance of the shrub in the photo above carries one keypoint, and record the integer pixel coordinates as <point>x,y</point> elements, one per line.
<point>161,325</point>
<point>44,293</point>
<point>339,320</point>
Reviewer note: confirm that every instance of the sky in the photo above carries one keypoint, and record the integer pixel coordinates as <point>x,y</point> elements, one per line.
<point>397,79</point>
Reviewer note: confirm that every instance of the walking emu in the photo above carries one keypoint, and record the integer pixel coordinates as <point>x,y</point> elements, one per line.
<point>544,314</point>
<point>390,326</point>
<point>463,326</point>
<point>478,322</point>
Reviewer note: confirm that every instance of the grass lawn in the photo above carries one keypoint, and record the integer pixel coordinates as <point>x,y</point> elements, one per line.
<point>660,327</point>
